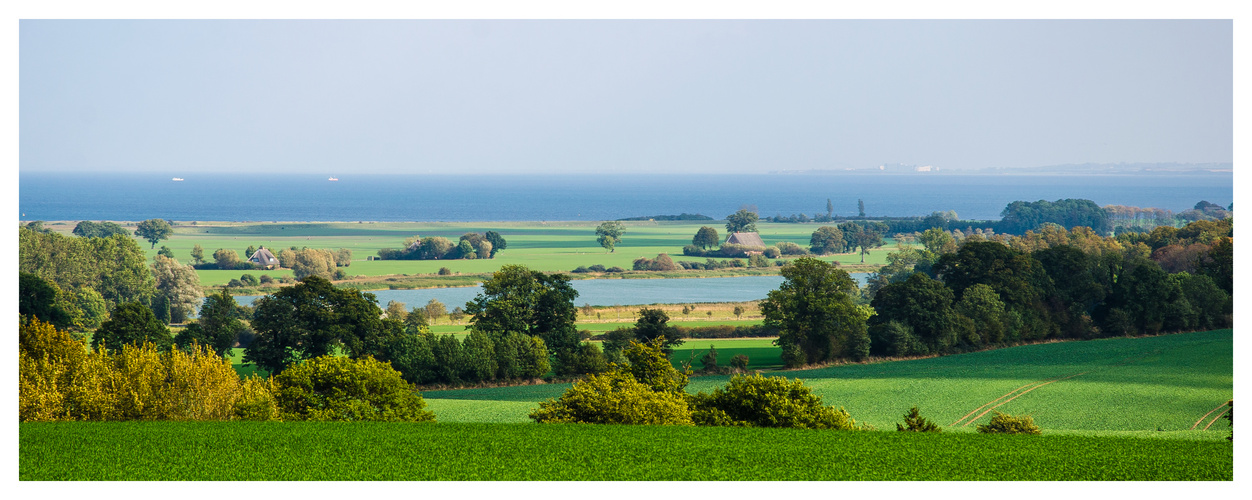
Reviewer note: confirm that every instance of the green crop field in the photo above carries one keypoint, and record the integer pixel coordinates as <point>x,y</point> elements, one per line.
<point>544,246</point>
<point>1150,386</point>
<point>358,451</point>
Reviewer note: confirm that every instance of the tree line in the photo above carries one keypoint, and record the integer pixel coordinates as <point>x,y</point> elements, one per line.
<point>973,293</point>
<point>469,246</point>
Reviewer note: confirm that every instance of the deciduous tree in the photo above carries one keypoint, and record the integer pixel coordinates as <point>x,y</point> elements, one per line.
<point>743,221</point>
<point>609,234</point>
<point>154,230</point>
<point>814,312</point>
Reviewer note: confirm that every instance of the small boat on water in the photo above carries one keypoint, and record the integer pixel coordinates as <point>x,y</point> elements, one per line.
<point>334,178</point>
<point>178,179</point>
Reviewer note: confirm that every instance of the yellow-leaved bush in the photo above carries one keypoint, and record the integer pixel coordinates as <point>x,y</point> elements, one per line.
<point>60,378</point>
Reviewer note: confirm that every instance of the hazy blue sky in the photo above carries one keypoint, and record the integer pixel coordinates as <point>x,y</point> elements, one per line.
<point>342,97</point>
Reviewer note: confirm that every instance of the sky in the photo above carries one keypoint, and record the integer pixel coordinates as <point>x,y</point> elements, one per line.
<point>618,96</point>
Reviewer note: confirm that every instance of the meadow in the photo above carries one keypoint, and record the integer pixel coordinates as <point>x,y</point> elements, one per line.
<point>542,246</point>
<point>376,451</point>
<point>1147,386</point>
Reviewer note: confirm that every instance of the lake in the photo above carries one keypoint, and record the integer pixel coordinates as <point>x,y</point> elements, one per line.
<point>610,292</point>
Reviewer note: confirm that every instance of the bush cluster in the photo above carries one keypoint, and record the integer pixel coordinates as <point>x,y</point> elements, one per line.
<point>1009,424</point>
<point>597,268</point>
<point>647,389</point>
<point>726,250</point>
<point>427,358</point>
<point>61,378</point>
<point>710,264</point>
<point>662,262</point>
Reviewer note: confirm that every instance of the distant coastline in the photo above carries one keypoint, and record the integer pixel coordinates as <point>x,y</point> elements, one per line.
<point>1069,169</point>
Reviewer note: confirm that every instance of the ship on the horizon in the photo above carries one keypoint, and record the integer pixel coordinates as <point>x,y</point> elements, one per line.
<point>334,178</point>
<point>178,179</point>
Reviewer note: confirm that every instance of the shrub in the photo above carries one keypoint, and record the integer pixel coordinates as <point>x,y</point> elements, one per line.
<point>338,388</point>
<point>650,366</point>
<point>580,269</point>
<point>597,268</point>
<point>266,279</point>
<point>614,398</point>
<point>1009,424</point>
<point>915,422</point>
<point>739,362</point>
<point>773,252</point>
<point>615,269</point>
<point>758,260</point>
<point>587,358</point>
<point>756,401</point>
<point>443,271</point>
<point>256,400</point>
<point>235,283</point>
<point>789,248</point>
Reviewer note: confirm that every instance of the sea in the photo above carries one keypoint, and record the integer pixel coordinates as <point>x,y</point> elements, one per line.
<point>466,198</point>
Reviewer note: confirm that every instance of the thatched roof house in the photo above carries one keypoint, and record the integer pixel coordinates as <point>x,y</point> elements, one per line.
<point>263,258</point>
<point>745,239</point>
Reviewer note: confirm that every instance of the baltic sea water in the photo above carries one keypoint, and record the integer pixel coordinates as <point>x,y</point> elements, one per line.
<point>451,198</point>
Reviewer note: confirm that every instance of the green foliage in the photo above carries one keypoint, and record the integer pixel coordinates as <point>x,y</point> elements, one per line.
<point>739,362</point>
<point>166,252</point>
<point>497,242</point>
<point>38,298</point>
<point>132,324</point>
<point>113,267</point>
<point>609,234</point>
<point>923,305</point>
<point>154,230</point>
<point>757,401</point>
<point>1021,216</point>
<point>226,259</point>
<point>342,389</point>
<point>89,229</point>
<point>915,422</point>
<point>318,451</point>
<point>826,240</point>
<point>1009,424</point>
<point>516,299</point>
<point>743,221</point>
<point>706,238</point>
<point>813,310</point>
<point>197,253</point>
<point>653,324</point>
<point>649,365</point>
<point>218,326</point>
<point>614,397</point>
<point>314,319</point>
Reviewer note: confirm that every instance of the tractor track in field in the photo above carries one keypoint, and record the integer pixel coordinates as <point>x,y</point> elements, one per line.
<point>1225,405</point>
<point>1021,391</point>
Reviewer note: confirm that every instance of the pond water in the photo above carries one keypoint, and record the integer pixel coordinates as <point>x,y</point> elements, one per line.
<point>610,292</point>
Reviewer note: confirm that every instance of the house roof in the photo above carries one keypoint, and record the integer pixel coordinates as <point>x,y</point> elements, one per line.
<point>745,239</point>
<point>263,257</point>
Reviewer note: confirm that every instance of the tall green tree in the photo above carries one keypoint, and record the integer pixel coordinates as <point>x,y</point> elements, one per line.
<point>312,319</point>
<point>197,254</point>
<point>497,242</point>
<point>115,268</point>
<point>815,315</point>
<point>609,234</point>
<point>90,229</point>
<point>706,237</point>
<point>179,284</point>
<point>653,324</point>
<point>743,221</point>
<point>830,208</point>
<point>132,324</point>
<point>517,299</point>
<point>826,240</point>
<point>154,230</point>
<point>435,310</point>
<point>39,298</point>
<point>922,304</point>
<point>860,207</point>
<point>218,325</point>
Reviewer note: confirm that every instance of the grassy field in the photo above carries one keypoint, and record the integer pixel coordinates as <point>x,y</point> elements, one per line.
<point>358,451</point>
<point>1150,386</point>
<point>544,246</point>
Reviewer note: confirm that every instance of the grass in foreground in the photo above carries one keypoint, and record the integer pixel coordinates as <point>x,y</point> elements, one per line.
<point>531,452</point>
